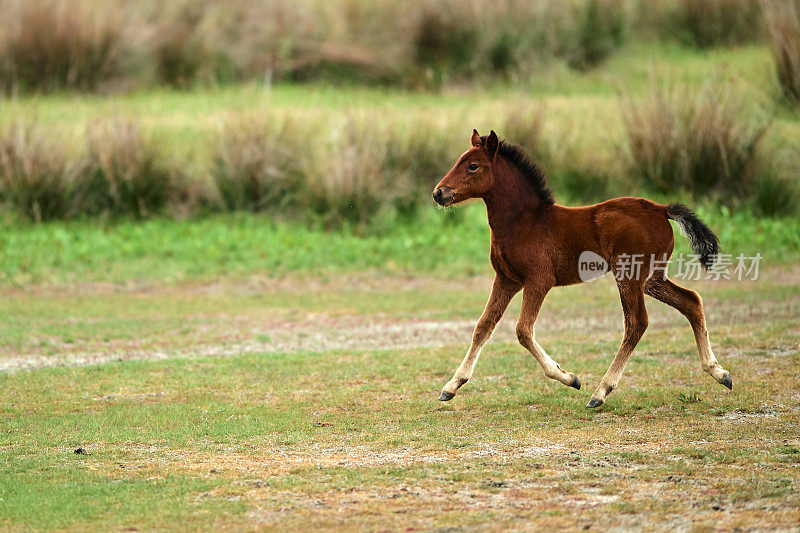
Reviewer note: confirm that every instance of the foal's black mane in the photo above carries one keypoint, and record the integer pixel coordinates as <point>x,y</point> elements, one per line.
<point>515,155</point>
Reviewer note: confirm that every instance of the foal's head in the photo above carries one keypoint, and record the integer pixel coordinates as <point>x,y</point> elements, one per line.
<point>473,175</point>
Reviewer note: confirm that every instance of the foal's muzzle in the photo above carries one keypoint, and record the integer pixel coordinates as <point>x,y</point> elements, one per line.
<point>443,195</point>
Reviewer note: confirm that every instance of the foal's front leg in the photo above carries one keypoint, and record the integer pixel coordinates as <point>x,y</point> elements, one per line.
<point>532,300</point>
<point>503,291</point>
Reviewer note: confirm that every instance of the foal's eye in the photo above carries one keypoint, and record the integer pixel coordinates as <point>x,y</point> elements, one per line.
<point>473,166</point>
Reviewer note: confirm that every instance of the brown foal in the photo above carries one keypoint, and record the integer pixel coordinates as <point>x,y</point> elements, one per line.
<point>537,244</point>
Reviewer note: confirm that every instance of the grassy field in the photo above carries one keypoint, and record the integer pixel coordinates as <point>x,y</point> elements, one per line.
<point>240,246</point>
<point>237,372</point>
<point>629,69</point>
<point>581,107</point>
<point>246,371</point>
<point>355,154</point>
<point>313,403</point>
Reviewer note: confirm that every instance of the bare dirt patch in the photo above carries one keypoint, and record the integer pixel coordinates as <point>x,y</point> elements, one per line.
<point>567,480</point>
<point>293,327</point>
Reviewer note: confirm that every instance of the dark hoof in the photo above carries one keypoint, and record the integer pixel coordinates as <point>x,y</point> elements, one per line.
<point>446,396</point>
<point>727,381</point>
<point>594,403</point>
<point>576,383</point>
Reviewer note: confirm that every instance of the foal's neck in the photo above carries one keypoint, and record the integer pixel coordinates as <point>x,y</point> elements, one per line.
<point>512,200</point>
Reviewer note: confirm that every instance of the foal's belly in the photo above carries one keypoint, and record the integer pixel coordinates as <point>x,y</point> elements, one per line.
<point>569,270</point>
<point>547,265</point>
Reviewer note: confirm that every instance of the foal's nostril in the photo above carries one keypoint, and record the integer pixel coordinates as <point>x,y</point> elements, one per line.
<point>443,195</point>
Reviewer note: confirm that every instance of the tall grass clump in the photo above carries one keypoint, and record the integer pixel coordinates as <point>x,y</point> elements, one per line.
<point>783,21</point>
<point>599,29</point>
<point>36,176</point>
<point>179,50</point>
<point>445,41</point>
<point>52,44</point>
<point>349,170</point>
<point>344,180</point>
<point>777,191</point>
<point>257,163</point>
<point>775,194</point>
<point>126,173</point>
<point>707,23</point>
<point>703,142</point>
<point>192,43</point>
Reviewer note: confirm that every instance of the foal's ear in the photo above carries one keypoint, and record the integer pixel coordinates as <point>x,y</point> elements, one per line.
<point>492,144</point>
<point>475,139</point>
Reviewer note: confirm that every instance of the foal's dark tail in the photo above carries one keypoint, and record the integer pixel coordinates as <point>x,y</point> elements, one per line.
<point>701,238</point>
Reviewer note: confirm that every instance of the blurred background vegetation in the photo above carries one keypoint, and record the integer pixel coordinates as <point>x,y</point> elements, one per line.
<point>347,112</point>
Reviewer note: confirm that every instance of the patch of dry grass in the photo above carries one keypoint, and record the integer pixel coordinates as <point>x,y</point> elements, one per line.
<point>255,166</point>
<point>127,173</point>
<point>56,44</point>
<point>705,141</point>
<point>37,175</point>
<point>354,438</point>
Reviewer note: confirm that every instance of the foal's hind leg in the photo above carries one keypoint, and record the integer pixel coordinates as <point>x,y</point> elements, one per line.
<point>690,305</point>
<point>532,299</point>
<point>631,293</point>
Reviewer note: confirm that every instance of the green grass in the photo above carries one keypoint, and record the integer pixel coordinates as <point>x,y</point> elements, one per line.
<point>84,497</point>
<point>240,245</point>
<point>354,438</point>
